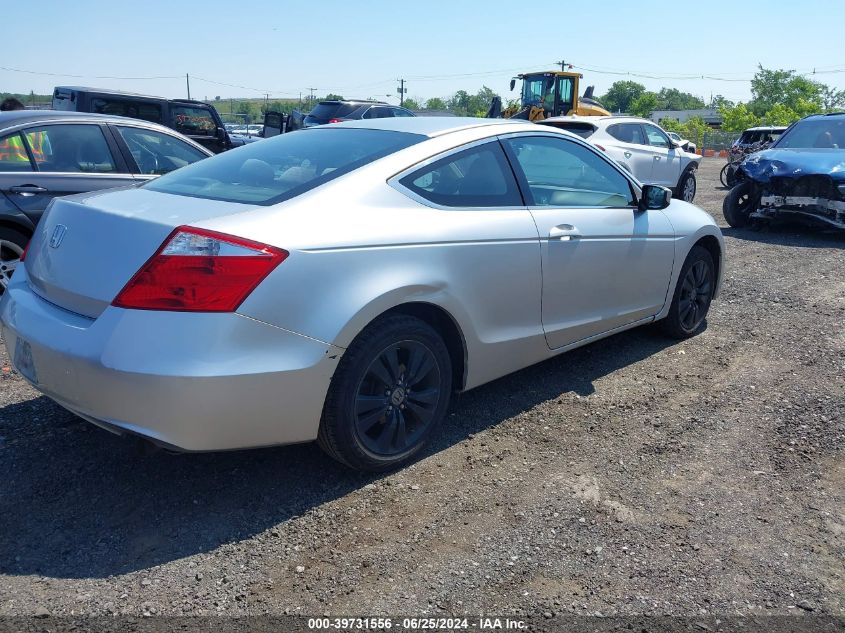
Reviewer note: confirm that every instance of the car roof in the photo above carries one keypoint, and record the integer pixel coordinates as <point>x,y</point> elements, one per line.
<point>594,119</point>
<point>123,93</point>
<point>15,117</point>
<point>766,128</point>
<point>353,101</point>
<point>432,126</point>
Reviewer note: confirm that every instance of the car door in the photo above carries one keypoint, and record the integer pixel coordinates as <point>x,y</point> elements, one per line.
<point>605,263</point>
<point>152,153</point>
<point>66,158</point>
<point>632,150</point>
<point>667,158</point>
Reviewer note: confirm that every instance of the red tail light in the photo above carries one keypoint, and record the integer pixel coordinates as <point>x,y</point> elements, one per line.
<point>335,120</point>
<point>200,271</point>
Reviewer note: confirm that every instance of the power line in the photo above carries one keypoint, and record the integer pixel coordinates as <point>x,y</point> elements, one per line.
<point>35,72</point>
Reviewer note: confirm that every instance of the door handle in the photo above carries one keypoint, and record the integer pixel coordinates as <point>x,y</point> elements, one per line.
<point>657,158</point>
<point>564,233</point>
<point>27,190</point>
<point>627,154</point>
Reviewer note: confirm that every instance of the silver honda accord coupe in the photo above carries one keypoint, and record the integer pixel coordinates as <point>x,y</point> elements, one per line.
<point>341,283</point>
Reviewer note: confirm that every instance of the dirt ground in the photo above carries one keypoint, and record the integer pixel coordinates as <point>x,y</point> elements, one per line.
<point>637,475</point>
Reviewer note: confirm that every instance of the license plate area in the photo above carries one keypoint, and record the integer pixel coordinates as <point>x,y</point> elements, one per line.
<point>23,361</point>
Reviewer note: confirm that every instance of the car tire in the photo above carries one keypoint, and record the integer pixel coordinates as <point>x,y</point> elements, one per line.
<point>686,187</point>
<point>737,205</point>
<point>375,416</point>
<point>12,245</point>
<point>693,294</point>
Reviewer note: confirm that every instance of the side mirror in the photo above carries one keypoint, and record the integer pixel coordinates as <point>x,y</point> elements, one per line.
<point>221,134</point>
<point>513,83</point>
<point>654,198</point>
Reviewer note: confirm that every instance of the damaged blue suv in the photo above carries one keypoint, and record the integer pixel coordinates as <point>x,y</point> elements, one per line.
<point>801,177</point>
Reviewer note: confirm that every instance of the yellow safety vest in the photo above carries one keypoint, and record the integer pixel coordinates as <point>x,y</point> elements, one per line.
<point>12,150</point>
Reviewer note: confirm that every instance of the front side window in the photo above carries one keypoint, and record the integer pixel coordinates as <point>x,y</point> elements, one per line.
<point>285,166</point>
<point>476,177</point>
<point>132,109</point>
<point>402,112</point>
<point>70,148</point>
<point>562,173</point>
<point>13,156</point>
<point>193,121</point>
<point>656,137</point>
<point>158,153</point>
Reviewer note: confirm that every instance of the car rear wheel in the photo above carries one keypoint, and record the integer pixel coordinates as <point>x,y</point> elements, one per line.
<point>738,205</point>
<point>390,392</point>
<point>693,294</point>
<point>12,245</point>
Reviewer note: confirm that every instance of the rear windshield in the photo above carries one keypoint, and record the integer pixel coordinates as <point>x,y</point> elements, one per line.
<point>584,130</point>
<point>820,133</point>
<point>326,111</point>
<point>284,166</point>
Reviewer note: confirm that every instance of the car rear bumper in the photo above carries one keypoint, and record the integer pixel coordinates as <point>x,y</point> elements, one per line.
<point>195,382</point>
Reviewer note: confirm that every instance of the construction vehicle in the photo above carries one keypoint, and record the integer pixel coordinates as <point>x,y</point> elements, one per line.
<point>548,94</point>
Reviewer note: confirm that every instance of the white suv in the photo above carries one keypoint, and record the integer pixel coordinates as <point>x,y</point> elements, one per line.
<point>640,146</point>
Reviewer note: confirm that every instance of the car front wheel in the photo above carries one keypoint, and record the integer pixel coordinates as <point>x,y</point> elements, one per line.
<point>738,205</point>
<point>693,294</point>
<point>390,392</point>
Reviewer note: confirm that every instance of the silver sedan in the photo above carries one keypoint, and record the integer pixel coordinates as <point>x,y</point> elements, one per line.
<point>340,283</point>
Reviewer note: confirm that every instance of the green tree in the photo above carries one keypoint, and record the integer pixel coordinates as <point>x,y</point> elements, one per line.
<point>436,103</point>
<point>770,87</point>
<point>644,105</point>
<point>333,97</point>
<point>720,102</point>
<point>738,118</point>
<point>674,99</point>
<point>411,103</point>
<point>833,99</point>
<point>621,95</point>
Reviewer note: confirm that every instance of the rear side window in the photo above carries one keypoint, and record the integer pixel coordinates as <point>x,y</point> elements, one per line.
<point>193,121</point>
<point>13,156</point>
<point>628,133</point>
<point>283,167</point>
<point>70,148</point>
<point>132,109</point>
<point>476,177</point>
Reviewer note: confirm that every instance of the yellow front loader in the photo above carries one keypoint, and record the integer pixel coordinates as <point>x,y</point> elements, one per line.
<point>548,94</point>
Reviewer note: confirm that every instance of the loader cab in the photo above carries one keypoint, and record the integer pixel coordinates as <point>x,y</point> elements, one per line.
<point>553,91</point>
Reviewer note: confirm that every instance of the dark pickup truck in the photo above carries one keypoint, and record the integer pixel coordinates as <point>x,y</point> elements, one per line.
<point>197,120</point>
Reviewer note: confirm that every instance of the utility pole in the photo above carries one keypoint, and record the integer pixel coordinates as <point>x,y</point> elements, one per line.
<point>188,83</point>
<point>311,97</point>
<point>562,64</point>
<point>401,90</point>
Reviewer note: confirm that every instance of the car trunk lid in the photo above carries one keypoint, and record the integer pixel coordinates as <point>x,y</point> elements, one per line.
<point>86,248</point>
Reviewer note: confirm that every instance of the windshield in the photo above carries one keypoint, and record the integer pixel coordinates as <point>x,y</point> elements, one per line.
<point>284,166</point>
<point>538,90</point>
<point>820,133</point>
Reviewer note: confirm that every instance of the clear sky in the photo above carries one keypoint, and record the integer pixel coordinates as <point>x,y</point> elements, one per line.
<point>359,48</point>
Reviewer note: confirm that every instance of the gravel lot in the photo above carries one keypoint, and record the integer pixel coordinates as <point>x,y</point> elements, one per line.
<point>634,476</point>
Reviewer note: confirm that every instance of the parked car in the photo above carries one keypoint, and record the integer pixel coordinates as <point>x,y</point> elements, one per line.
<point>754,139</point>
<point>339,111</point>
<point>327,112</point>
<point>686,145</point>
<point>197,120</point>
<point>341,282</point>
<point>800,177</point>
<point>44,154</point>
<point>641,147</point>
